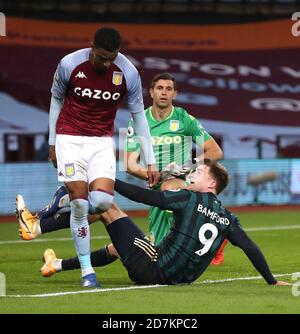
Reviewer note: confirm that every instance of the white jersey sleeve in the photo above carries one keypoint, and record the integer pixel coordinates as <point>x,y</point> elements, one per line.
<point>133,83</point>
<point>64,70</point>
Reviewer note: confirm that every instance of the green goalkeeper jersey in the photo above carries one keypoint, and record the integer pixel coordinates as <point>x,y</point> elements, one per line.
<point>172,137</point>
<point>172,140</point>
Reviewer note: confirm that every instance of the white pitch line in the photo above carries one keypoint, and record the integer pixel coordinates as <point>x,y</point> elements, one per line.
<point>272,228</point>
<point>135,287</point>
<point>250,229</point>
<point>43,295</point>
<point>240,279</point>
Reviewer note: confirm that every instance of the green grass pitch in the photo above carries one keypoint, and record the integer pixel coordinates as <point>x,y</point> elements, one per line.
<point>277,233</point>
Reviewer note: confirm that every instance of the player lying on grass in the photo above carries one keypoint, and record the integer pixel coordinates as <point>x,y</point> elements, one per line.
<point>201,224</point>
<point>56,216</point>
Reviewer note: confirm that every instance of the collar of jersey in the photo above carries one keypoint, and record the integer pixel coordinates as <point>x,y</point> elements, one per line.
<point>162,120</point>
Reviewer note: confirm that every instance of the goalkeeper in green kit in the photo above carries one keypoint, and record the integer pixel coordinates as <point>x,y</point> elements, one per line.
<point>173,133</point>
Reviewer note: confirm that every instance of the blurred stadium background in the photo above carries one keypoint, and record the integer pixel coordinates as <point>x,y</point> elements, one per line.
<point>237,67</point>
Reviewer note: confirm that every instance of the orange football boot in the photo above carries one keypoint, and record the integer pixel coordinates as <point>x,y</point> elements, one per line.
<point>219,256</point>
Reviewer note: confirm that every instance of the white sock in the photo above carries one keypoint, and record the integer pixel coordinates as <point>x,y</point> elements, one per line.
<point>57,264</point>
<point>87,271</point>
<point>37,228</point>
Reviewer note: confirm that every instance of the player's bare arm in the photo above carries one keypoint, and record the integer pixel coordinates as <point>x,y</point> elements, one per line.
<point>55,108</point>
<point>143,131</point>
<point>52,155</point>
<point>136,169</point>
<point>211,150</point>
<point>133,167</point>
<point>153,175</point>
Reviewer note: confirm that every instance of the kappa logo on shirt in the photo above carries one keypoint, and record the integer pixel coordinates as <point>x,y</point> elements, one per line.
<point>81,75</point>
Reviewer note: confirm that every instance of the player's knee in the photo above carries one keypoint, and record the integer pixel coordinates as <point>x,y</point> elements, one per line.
<point>100,200</point>
<point>79,209</point>
<point>114,213</point>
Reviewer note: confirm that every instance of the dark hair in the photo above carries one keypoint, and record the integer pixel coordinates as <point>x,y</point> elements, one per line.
<point>219,173</point>
<point>108,39</point>
<point>163,76</point>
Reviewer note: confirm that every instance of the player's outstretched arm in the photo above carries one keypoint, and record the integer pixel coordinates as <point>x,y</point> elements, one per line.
<point>239,238</point>
<point>141,195</point>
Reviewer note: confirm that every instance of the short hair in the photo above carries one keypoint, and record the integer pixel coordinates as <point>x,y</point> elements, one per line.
<point>108,39</point>
<point>163,76</point>
<point>219,174</point>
